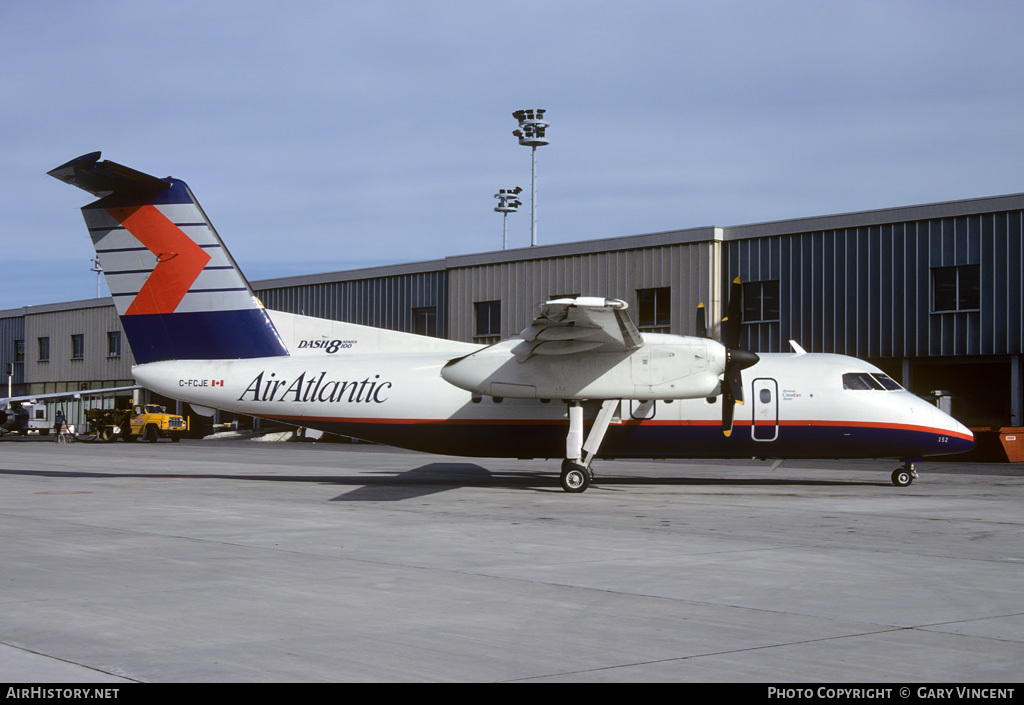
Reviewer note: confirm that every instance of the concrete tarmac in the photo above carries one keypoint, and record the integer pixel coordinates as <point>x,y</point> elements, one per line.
<point>242,561</point>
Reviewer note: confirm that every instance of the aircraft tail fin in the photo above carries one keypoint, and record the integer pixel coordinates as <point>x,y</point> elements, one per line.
<point>177,290</point>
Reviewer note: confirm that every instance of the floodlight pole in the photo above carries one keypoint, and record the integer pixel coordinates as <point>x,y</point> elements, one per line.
<point>508,202</point>
<point>533,196</point>
<point>531,133</point>
<point>96,267</point>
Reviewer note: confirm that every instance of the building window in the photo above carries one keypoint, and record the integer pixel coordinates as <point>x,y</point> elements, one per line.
<point>424,321</point>
<point>114,343</point>
<point>761,301</point>
<point>19,351</point>
<point>77,346</point>
<point>956,288</point>
<point>488,319</point>
<point>44,349</point>
<point>654,309</point>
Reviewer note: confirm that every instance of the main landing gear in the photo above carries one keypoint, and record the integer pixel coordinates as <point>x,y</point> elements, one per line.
<point>575,476</point>
<point>576,473</point>
<point>902,477</point>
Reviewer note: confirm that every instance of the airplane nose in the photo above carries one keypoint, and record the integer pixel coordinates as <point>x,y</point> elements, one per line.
<point>959,438</point>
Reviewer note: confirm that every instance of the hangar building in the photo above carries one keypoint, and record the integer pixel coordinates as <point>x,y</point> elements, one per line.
<point>932,294</point>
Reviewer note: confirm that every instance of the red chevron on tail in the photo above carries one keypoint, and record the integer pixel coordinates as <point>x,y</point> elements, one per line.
<point>179,259</point>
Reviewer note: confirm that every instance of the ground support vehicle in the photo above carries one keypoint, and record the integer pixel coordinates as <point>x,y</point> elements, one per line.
<point>147,422</point>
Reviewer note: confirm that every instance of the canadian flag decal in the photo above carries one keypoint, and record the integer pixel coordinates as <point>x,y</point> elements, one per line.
<point>216,383</point>
<point>179,259</point>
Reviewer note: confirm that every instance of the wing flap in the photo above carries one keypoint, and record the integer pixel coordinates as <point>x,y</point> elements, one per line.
<point>572,326</point>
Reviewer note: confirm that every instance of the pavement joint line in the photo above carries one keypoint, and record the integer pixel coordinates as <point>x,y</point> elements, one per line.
<point>64,660</point>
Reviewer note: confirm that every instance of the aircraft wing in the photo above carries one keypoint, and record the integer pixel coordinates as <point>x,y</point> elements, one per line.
<point>572,326</point>
<point>574,349</point>
<point>4,401</point>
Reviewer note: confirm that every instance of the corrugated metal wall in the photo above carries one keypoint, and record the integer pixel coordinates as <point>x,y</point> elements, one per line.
<point>689,269</point>
<point>11,328</point>
<point>384,302</point>
<point>95,365</point>
<point>868,291</point>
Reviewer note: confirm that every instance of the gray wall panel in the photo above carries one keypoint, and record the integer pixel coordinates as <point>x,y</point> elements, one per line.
<point>687,269</point>
<point>93,323</point>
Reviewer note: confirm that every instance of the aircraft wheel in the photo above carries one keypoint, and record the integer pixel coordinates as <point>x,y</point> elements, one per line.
<point>566,464</point>
<point>575,478</point>
<point>902,477</point>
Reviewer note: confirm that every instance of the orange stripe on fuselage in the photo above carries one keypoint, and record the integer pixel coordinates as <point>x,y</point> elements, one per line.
<point>179,259</point>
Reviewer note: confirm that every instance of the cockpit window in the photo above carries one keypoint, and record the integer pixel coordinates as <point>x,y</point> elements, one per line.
<point>869,381</point>
<point>887,381</point>
<point>860,381</point>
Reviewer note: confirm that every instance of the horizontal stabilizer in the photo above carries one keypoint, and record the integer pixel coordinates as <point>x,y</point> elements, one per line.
<point>104,178</point>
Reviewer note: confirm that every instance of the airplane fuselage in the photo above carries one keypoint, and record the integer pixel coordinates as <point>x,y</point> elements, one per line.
<point>797,407</point>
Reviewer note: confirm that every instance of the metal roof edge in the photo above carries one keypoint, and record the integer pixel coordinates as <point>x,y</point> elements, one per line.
<point>880,216</point>
<point>623,242</point>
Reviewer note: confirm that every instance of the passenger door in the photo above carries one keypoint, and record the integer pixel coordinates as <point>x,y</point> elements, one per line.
<point>765,425</point>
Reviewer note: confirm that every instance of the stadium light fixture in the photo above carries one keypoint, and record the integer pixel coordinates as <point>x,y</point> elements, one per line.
<point>508,202</point>
<point>532,133</point>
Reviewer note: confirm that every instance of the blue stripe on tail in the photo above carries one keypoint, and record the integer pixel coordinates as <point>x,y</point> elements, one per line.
<point>204,335</point>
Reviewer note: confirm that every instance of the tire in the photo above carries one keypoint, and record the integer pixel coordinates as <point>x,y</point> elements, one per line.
<point>575,478</point>
<point>150,434</point>
<point>901,477</point>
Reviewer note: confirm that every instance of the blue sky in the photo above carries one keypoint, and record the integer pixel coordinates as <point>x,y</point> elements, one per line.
<point>322,136</point>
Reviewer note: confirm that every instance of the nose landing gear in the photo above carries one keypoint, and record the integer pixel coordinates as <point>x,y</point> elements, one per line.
<point>902,477</point>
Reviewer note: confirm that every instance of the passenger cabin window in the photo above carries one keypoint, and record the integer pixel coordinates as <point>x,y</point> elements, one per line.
<point>862,381</point>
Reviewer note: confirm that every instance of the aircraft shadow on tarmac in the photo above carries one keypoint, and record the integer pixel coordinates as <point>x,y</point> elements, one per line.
<point>432,478</point>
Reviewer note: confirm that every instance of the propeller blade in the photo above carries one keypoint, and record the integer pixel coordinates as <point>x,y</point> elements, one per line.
<point>734,382</point>
<point>702,321</point>
<point>731,325</point>
<point>728,406</point>
<point>736,361</point>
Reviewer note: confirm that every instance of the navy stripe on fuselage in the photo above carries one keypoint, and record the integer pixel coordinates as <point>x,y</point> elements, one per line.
<point>683,439</point>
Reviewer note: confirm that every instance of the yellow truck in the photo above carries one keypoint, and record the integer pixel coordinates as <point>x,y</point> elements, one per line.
<point>142,422</point>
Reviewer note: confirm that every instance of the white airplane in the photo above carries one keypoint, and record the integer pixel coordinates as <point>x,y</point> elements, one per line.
<point>580,382</point>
